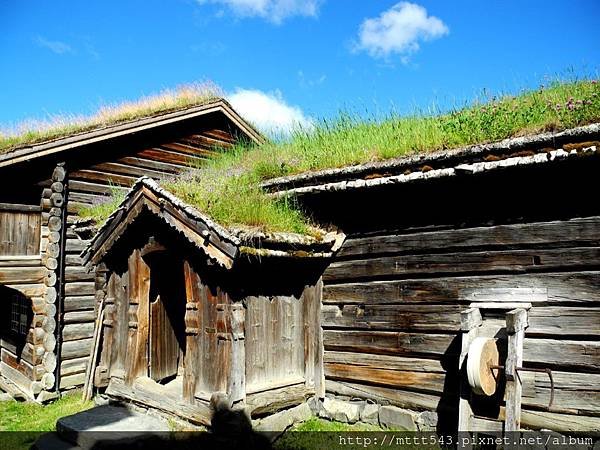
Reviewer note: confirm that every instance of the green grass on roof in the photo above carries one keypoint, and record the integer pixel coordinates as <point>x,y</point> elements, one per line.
<point>227,187</point>
<point>56,127</point>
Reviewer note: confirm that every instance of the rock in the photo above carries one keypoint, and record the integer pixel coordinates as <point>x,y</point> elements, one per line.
<point>427,421</point>
<point>340,411</point>
<point>4,397</point>
<point>281,421</point>
<point>392,417</point>
<point>370,414</point>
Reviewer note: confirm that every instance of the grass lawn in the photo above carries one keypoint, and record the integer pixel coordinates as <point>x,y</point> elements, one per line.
<point>228,187</point>
<point>30,419</point>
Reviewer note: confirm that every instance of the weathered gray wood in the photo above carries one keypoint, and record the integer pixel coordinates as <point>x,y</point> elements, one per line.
<point>516,261</point>
<point>80,288</point>
<point>77,331</point>
<point>76,349</point>
<point>74,366</point>
<point>574,233</point>
<point>236,389</point>
<point>145,391</point>
<point>516,322</point>
<point>72,381</point>
<point>271,401</point>
<point>553,288</point>
<point>393,317</point>
<point>78,303</point>
<point>79,316</point>
<point>405,399</point>
<point>387,342</point>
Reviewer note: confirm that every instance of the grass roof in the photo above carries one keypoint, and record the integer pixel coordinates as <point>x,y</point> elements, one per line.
<point>228,187</point>
<point>59,126</point>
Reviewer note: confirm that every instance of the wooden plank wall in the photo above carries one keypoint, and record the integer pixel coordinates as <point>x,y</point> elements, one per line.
<point>274,342</point>
<point>91,184</point>
<point>391,305</point>
<point>20,230</point>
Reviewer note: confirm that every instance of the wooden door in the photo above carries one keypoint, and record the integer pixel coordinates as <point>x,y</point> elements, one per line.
<point>167,316</point>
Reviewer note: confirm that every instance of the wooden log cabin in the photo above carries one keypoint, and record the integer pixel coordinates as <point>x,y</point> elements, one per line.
<point>46,295</point>
<point>191,309</point>
<point>490,228</point>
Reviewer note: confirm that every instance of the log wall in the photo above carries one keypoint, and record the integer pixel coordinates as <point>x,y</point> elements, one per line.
<point>391,306</point>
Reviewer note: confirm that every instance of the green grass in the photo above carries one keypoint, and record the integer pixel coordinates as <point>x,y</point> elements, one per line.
<point>227,187</point>
<point>36,131</point>
<point>31,418</point>
<point>317,433</point>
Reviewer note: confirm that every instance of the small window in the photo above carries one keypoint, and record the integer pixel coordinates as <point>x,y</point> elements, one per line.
<point>19,314</point>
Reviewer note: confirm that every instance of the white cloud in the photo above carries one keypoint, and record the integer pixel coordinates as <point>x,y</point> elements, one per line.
<point>57,47</point>
<point>269,111</point>
<point>275,11</point>
<point>399,30</point>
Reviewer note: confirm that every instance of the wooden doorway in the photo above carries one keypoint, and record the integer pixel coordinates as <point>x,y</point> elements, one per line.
<point>166,343</point>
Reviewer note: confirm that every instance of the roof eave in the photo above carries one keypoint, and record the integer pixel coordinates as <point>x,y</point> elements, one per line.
<point>114,131</point>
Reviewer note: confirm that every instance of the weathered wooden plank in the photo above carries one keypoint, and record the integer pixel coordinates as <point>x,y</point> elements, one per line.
<point>564,321</point>
<point>517,261</point>
<point>80,288</point>
<point>73,366</point>
<point>393,317</point>
<point>73,260</point>
<point>578,393</point>
<point>149,393</point>
<point>99,176</point>
<point>77,331</point>
<point>20,261</point>
<point>562,354</point>
<point>271,401</point>
<point>420,381</point>
<point>155,165</point>
<point>125,169</point>
<point>575,232</point>
<point>87,198</point>
<point>79,316</point>
<point>390,343</point>
<point>78,303</point>
<point>403,398</point>
<point>76,349</point>
<point>560,288</point>
<point>72,381</point>
<point>76,245</point>
<point>23,275</point>
<point>16,207</point>
<point>169,157</point>
<point>93,188</point>
<point>75,273</point>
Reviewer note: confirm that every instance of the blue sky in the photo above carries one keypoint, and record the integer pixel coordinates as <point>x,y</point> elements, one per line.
<point>284,60</point>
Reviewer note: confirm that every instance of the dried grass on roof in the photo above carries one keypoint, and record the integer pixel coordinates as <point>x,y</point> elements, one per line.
<point>55,127</point>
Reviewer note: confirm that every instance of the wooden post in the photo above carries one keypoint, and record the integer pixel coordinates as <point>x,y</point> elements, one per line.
<point>137,344</point>
<point>193,326</point>
<point>470,321</point>
<point>236,388</point>
<point>516,322</point>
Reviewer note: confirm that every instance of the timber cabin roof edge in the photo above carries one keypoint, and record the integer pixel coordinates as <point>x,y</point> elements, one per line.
<point>436,160</point>
<point>81,139</point>
<point>220,245</point>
